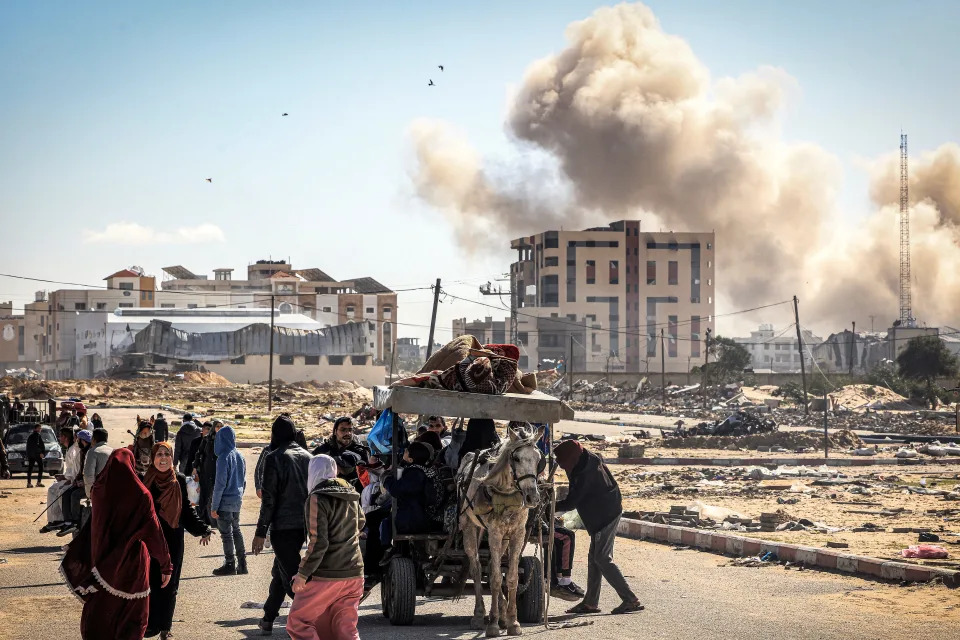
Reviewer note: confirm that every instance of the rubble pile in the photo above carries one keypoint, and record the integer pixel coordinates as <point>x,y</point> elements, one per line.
<point>739,423</point>
<point>773,441</point>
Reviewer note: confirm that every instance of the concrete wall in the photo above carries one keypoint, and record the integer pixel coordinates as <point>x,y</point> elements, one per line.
<point>256,369</point>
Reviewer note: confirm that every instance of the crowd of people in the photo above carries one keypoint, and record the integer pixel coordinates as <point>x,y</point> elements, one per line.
<point>130,509</point>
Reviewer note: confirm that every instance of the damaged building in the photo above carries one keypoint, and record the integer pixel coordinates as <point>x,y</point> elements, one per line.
<point>231,342</point>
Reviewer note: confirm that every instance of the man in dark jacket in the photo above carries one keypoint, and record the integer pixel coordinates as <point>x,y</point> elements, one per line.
<point>4,469</point>
<point>283,494</point>
<point>35,453</point>
<point>189,431</point>
<point>161,430</point>
<point>346,450</point>
<point>596,496</point>
<point>205,467</point>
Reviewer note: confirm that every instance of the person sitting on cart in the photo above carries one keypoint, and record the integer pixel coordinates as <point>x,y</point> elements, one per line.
<point>481,434</point>
<point>341,442</point>
<point>411,487</point>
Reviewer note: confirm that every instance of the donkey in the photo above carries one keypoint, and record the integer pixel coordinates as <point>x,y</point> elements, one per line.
<point>497,499</point>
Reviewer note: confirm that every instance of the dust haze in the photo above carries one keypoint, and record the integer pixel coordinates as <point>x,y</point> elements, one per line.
<point>632,124</point>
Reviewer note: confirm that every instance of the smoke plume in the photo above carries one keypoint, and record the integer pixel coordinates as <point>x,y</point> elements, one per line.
<point>634,126</point>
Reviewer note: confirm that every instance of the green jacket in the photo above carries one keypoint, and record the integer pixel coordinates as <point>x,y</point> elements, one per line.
<point>334,520</point>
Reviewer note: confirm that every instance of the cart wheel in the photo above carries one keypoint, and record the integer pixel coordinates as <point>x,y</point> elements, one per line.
<point>530,602</point>
<point>402,598</point>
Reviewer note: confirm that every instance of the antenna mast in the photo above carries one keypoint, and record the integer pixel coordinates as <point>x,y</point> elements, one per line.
<point>906,302</point>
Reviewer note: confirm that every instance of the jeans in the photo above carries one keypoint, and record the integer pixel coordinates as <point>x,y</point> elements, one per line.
<point>39,463</point>
<point>286,562</point>
<point>229,526</point>
<point>600,565</point>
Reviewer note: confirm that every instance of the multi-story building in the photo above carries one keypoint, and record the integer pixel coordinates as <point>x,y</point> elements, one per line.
<point>50,322</point>
<point>15,351</point>
<point>777,351</point>
<point>605,299</point>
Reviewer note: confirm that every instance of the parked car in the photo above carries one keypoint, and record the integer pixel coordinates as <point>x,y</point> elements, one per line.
<point>16,443</point>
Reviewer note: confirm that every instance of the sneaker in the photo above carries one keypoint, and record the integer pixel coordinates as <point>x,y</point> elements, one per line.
<point>67,529</point>
<point>50,526</point>
<point>566,592</point>
<point>228,569</point>
<point>265,626</point>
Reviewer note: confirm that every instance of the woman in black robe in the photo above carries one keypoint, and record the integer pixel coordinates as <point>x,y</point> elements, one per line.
<point>169,491</point>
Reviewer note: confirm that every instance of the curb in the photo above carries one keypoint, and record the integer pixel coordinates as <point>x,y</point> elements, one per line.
<point>775,462</point>
<point>251,445</point>
<point>813,557</point>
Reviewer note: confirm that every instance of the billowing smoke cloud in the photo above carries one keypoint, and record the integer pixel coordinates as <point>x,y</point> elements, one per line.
<point>636,127</point>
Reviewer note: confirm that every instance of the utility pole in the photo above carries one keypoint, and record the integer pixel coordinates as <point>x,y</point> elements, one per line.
<point>853,346</point>
<point>703,373</point>
<point>871,323</point>
<point>270,375</point>
<point>826,437</point>
<point>803,365</point>
<point>570,366</point>
<point>663,370</point>
<point>433,318</point>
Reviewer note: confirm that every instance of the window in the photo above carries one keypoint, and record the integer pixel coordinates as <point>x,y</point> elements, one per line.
<point>326,309</point>
<point>311,360</point>
<point>335,360</point>
<point>286,359</point>
<point>79,306</point>
<point>551,240</point>
<point>694,336</point>
<point>572,316</point>
<point>551,261</point>
<point>127,286</point>
<point>122,305</point>
<point>672,336</point>
<point>388,312</point>
<point>167,305</point>
<point>211,306</point>
<point>549,291</point>
<point>673,272</point>
<point>191,306</point>
<point>20,339</point>
<point>351,310</point>
<point>101,306</point>
<point>240,360</point>
<point>549,340</point>
<point>651,272</point>
<point>241,306</point>
<point>42,320</point>
<point>523,337</point>
<point>358,361</point>
<point>369,310</point>
<point>591,271</point>
<point>595,343</point>
<point>614,272</point>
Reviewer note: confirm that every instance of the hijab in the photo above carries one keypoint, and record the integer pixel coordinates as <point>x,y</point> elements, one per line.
<point>112,552</point>
<point>164,485</point>
<point>481,434</point>
<point>321,468</point>
<point>143,449</point>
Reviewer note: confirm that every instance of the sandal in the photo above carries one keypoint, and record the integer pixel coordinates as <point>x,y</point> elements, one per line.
<point>583,609</point>
<point>628,607</point>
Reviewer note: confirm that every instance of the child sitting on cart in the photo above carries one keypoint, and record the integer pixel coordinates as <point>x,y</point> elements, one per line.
<point>412,488</point>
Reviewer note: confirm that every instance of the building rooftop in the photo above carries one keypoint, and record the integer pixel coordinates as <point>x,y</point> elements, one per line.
<point>369,286</point>
<point>126,273</point>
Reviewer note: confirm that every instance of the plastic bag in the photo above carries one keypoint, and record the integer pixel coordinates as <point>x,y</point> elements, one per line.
<point>380,438</point>
<point>193,491</point>
<point>925,551</point>
<point>572,521</point>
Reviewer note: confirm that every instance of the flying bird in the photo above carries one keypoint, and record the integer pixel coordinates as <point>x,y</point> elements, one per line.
<point>441,67</point>
<point>430,84</point>
<point>209,179</point>
<point>286,114</point>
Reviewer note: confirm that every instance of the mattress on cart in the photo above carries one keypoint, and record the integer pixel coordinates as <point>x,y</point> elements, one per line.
<point>535,407</point>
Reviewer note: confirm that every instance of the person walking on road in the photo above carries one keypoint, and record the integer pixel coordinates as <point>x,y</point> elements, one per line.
<point>108,564</point>
<point>284,492</point>
<point>35,453</point>
<point>188,432</point>
<point>169,492</point>
<point>595,495</point>
<point>96,460</point>
<point>161,430</point>
<point>228,488</point>
<point>329,584</point>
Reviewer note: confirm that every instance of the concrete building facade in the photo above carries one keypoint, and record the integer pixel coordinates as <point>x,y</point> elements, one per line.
<point>777,350</point>
<point>599,298</point>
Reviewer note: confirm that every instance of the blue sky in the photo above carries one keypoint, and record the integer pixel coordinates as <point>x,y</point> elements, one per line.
<point>116,112</point>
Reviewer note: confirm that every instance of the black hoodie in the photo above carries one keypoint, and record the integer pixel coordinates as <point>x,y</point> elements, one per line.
<point>593,493</point>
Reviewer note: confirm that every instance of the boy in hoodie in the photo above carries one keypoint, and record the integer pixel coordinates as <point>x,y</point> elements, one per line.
<point>329,582</point>
<point>227,499</point>
<point>595,495</point>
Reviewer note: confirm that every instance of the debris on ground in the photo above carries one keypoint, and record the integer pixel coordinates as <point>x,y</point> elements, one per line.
<point>927,551</point>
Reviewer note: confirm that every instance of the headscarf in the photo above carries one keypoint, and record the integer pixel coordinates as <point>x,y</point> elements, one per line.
<point>143,448</point>
<point>322,467</point>
<point>112,552</point>
<point>85,435</point>
<point>282,433</point>
<point>568,454</point>
<point>481,434</point>
<point>169,502</point>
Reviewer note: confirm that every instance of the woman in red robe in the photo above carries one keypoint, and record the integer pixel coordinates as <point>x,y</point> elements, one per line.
<point>107,565</point>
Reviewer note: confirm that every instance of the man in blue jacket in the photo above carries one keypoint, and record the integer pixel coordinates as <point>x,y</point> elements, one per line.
<point>227,499</point>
